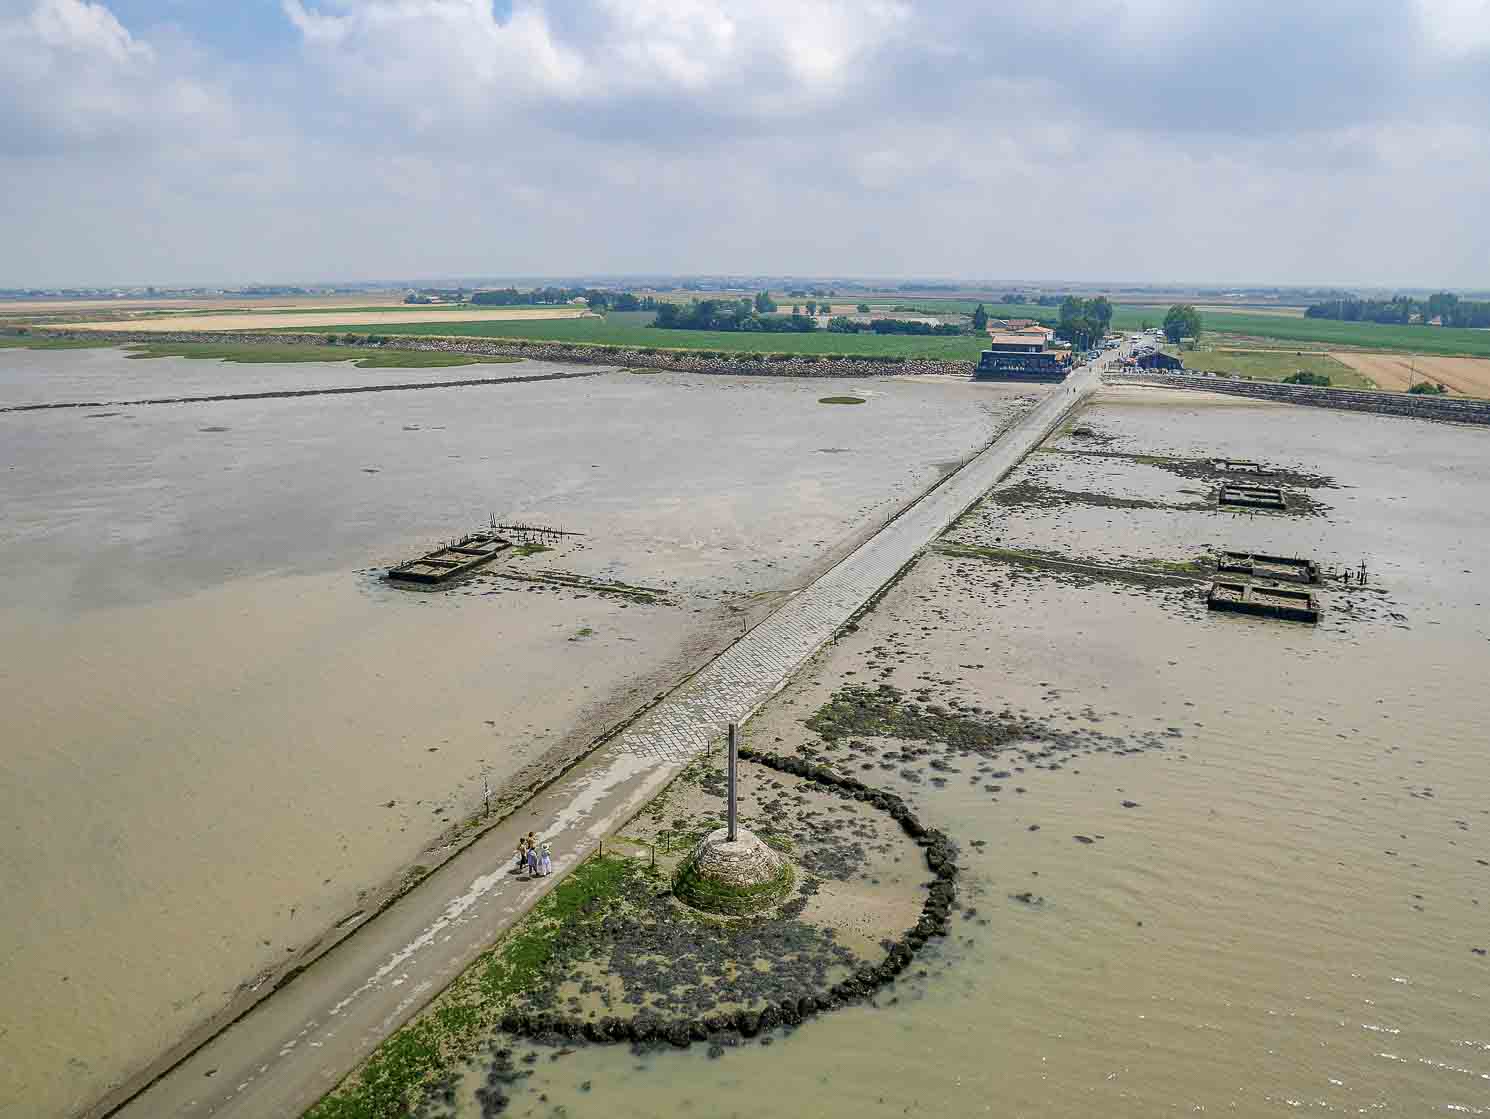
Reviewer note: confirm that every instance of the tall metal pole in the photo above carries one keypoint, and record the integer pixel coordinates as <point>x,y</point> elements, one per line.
<point>734,765</point>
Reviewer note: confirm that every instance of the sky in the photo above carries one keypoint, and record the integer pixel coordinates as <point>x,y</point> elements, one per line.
<point>1228,141</point>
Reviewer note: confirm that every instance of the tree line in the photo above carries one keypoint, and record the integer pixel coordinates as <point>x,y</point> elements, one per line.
<point>596,299</point>
<point>731,315</point>
<point>1083,322</point>
<point>842,324</point>
<point>1403,310</point>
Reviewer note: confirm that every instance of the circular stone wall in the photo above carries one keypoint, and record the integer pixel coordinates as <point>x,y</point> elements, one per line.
<point>736,878</point>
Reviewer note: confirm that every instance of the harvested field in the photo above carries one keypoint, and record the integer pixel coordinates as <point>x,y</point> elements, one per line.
<point>342,320</point>
<point>1467,376</point>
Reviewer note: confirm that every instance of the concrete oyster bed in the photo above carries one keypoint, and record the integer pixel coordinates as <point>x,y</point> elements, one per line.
<point>444,564</point>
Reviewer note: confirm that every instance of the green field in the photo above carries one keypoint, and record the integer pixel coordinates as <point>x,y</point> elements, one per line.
<point>1272,366</point>
<point>630,330</point>
<point>1307,333</point>
<point>609,332</point>
<point>382,357</point>
<point>1345,335</point>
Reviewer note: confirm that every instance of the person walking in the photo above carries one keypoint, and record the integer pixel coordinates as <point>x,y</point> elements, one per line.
<point>522,854</point>
<point>532,861</point>
<point>546,861</point>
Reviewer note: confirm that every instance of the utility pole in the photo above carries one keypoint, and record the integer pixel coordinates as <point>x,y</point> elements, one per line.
<point>734,771</point>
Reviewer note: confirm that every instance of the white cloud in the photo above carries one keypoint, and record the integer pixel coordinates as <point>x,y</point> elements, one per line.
<point>87,29</point>
<point>1146,138</point>
<point>75,78</point>
<point>1456,27</point>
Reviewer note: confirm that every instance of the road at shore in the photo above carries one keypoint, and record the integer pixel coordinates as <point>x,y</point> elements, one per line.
<point>301,1040</point>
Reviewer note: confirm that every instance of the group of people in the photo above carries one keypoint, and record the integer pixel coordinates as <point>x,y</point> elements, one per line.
<point>536,860</point>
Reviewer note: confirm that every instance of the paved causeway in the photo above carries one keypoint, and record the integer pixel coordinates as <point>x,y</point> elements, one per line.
<point>282,1056</point>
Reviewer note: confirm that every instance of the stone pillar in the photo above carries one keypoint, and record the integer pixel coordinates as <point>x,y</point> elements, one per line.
<point>734,769</point>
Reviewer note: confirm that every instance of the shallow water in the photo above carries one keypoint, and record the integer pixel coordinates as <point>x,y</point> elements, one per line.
<point>110,373</point>
<point>1284,919</point>
<point>222,729</point>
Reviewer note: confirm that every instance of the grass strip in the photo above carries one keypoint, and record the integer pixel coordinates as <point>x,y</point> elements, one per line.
<point>41,342</point>
<point>454,1026</point>
<point>371,358</point>
<point>1269,366</point>
<point>747,345</point>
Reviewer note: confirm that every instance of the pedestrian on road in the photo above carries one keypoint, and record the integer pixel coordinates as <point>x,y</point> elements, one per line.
<point>522,853</point>
<point>532,861</point>
<point>546,861</point>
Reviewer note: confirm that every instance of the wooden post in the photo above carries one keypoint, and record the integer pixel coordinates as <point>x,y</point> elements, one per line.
<point>734,765</point>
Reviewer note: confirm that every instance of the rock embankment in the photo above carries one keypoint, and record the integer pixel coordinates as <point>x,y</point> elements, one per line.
<point>686,361</point>
<point>1451,408</point>
<point>810,1000</point>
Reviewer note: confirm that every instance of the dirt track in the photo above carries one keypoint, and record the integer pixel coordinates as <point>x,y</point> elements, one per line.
<point>326,318</point>
<point>1467,376</point>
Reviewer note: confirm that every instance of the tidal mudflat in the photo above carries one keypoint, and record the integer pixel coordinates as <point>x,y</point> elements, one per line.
<point>110,373</point>
<point>225,734</point>
<point>1209,862</point>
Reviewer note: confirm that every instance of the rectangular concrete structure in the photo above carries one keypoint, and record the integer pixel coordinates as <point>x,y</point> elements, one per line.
<point>1258,566</point>
<point>444,564</point>
<point>1240,496</point>
<point>1266,602</point>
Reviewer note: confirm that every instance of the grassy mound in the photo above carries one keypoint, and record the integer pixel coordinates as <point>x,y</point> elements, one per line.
<point>712,896</point>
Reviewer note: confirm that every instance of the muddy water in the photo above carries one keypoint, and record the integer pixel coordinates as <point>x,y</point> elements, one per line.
<point>1283,916</point>
<point>222,731</point>
<point>110,373</point>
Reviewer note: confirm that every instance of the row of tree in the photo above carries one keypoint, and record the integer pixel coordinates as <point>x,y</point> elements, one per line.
<point>730,315</point>
<point>596,299</point>
<point>842,324</point>
<point>1083,322</point>
<point>509,297</point>
<point>1182,321</point>
<point>1444,306</point>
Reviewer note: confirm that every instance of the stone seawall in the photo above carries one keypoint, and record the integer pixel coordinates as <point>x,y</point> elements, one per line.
<point>687,361</point>
<point>1454,409</point>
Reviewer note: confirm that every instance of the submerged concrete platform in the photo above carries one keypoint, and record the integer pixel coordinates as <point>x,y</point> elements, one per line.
<point>1266,602</point>
<point>1239,496</point>
<point>445,564</point>
<point>1256,565</point>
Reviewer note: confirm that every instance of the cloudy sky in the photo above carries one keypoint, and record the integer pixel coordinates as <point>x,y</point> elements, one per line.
<point>181,141</point>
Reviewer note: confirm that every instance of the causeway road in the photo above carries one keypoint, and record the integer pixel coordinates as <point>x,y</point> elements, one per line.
<point>300,1041</point>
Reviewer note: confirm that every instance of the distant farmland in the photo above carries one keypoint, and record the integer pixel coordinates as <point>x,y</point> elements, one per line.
<point>1347,335</point>
<point>626,330</point>
<point>631,329</point>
